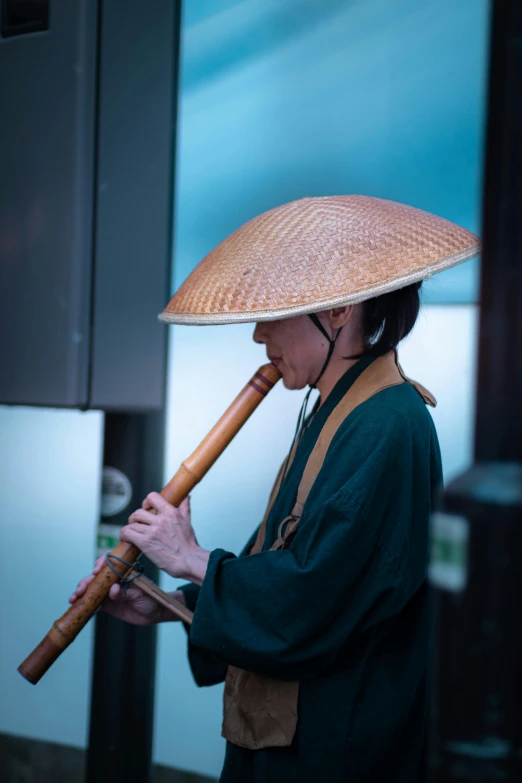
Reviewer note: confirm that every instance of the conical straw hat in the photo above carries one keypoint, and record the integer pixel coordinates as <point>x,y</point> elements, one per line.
<point>317,253</point>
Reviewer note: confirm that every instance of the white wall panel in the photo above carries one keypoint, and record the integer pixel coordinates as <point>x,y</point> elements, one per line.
<point>49,476</point>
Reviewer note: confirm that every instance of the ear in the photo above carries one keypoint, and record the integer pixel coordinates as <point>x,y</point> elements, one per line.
<point>339,316</point>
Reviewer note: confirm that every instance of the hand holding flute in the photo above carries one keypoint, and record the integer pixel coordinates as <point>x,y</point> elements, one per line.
<point>166,536</point>
<point>133,606</point>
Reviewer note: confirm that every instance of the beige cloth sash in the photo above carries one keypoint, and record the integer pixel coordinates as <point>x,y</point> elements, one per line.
<point>261,712</point>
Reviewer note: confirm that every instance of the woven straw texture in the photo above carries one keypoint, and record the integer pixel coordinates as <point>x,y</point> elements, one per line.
<point>317,253</point>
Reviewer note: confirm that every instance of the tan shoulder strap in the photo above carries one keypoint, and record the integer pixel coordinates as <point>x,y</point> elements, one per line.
<point>426,395</point>
<point>260,538</point>
<point>381,374</point>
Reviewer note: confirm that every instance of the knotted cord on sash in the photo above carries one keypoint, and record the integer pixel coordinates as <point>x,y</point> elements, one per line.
<point>125,581</point>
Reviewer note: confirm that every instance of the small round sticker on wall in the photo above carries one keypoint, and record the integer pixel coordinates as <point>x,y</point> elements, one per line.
<point>116,492</point>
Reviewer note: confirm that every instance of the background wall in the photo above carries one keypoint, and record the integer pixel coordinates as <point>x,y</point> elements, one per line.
<point>282,99</point>
<point>286,98</point>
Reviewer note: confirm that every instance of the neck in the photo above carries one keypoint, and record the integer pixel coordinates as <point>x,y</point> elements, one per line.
<point>335,370</point>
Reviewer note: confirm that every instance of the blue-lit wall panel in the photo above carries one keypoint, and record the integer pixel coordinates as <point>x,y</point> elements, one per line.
<point>289,98</point>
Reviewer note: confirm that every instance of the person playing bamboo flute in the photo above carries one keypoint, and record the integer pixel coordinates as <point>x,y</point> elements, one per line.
<point>321,627</point>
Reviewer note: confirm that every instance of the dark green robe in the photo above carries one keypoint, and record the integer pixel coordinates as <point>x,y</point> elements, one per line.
<point>345,610</point>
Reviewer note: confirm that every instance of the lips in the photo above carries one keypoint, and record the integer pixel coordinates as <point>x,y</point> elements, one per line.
<point>274,359</point>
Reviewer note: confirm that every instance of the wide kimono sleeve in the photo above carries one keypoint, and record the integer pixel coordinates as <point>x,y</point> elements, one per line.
<point>207,667</point>
<point>357,558</point>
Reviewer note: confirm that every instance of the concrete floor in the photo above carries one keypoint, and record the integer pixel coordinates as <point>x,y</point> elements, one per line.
<point>30,761</point>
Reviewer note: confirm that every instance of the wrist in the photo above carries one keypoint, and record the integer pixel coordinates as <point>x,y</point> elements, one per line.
<point>197,563</point>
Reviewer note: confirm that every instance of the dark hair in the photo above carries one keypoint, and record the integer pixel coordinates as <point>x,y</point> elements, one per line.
<point>388,319</point>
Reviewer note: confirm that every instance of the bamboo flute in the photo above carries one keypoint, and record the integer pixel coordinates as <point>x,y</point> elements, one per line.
<point>191,471</point>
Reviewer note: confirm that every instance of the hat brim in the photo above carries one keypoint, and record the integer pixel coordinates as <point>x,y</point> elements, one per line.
<point>315,254</point>
<point>275,314</point>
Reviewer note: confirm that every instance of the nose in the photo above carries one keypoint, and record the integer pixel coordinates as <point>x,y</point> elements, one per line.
<point>259,335</point>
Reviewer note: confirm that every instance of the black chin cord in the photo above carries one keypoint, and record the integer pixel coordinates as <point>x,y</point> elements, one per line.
<point>331,347</point>
<point>299,430</point>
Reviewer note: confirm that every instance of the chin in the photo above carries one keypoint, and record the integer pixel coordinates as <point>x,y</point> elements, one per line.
<point>292,384</point>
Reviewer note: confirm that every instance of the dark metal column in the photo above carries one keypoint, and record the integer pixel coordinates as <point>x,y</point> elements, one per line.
<point>477,556</point>
<point>122,701</point>
<point>137,84</point>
